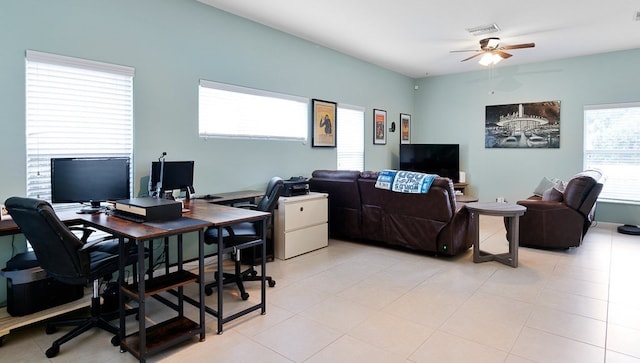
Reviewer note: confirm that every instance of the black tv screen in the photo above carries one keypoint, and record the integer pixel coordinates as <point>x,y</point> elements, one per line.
<point>440,159</point>
<point>89,180</point>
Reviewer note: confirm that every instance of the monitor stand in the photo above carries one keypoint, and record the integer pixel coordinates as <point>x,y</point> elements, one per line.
<point>95,207</point>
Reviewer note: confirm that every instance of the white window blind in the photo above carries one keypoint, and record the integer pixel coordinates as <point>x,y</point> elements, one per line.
<point>239,112</point>
<point>350,137</point>
<point>74,108</point>
<point>612,144</point>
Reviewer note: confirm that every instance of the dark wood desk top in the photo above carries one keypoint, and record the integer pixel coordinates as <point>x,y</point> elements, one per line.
<point>200,214</point>
<point>235,197</point>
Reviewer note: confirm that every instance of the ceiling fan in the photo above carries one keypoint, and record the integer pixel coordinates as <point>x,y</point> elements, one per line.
<point>492,52</point>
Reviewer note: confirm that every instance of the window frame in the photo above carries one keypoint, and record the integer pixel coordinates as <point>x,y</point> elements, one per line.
<point>65,99</point>
<point>250,110</point>
<point>345,139</point>
<point>622,184</point>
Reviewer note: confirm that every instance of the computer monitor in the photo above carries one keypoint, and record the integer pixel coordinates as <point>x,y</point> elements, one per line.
<point>89,180</point>
<point>178,175</point>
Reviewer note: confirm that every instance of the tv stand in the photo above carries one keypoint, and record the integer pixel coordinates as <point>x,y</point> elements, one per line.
<point>462,187</point>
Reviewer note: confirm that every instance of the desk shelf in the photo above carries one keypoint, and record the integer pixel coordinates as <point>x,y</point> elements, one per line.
<point>162,336</point>
<point>161,283</point>
<point>166,333</point>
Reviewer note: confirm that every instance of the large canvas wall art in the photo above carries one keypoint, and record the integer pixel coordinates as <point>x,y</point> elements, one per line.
<point>523,125</point>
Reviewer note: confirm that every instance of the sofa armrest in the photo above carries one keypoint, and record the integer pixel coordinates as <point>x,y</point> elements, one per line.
<point>549,224</point>
<point>457,236</point>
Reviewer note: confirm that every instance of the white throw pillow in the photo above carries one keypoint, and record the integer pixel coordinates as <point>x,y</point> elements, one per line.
<point>544,185</point>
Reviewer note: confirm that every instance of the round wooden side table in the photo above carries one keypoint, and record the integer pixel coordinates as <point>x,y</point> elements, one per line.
<point>508,210</point>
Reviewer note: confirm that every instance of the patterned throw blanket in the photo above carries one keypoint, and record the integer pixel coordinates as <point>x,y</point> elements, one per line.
<point>404,181</point>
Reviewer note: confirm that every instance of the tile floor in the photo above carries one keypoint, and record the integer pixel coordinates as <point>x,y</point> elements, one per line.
<point>356,303</point>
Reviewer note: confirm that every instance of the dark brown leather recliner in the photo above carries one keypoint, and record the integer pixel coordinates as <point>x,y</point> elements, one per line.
<point>561,223</point>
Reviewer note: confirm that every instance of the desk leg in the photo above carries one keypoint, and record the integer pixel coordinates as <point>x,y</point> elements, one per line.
<point>263,281</point>
<point>121,301</point>
<point>180,268</point>
<point>220,278</point>
<point>142,332</point>
<point>514,241</point>
<point>201,288</point>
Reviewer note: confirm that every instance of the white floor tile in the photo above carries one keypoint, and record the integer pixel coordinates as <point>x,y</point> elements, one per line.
<point>351,302</point>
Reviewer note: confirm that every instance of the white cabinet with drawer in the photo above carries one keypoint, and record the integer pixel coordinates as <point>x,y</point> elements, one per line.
<point>301,224</point>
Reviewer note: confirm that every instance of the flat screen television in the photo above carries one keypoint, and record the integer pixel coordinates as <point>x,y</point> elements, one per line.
<point>90,180</point>
<point>440,159</point>
<point>178,175</point>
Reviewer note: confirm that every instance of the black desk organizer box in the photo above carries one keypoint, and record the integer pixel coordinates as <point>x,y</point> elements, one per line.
<point>30,290</point>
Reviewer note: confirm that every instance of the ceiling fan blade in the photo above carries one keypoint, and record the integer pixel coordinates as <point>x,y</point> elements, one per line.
<point>518,46</point>
<point>463,50</point>
<point>502,54</point>
<point>473,56</point>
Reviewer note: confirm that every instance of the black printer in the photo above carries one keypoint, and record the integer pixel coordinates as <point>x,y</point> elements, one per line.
<point>297,185</point>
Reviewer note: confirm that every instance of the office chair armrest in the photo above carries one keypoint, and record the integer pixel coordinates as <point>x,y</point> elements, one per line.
<point>86,232</point>
<point>229,230</point>
<point>246,205</point>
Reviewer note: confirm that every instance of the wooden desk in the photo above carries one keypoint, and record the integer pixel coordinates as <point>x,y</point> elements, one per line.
<point>230,198</point>
<point>200,215</point>
<point>219,217</point>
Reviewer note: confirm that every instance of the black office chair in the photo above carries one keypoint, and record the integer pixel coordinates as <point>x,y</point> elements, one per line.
<point>68,259</point>
<point>243,236</point>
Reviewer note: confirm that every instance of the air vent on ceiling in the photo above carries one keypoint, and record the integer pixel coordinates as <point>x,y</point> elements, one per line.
<point>483,29</point>
<point>637,15</point>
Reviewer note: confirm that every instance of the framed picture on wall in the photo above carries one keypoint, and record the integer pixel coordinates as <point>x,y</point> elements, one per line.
<point>523,125</point>
<point>405,128</point>
<point>323,122</point>
<point>379,127</point>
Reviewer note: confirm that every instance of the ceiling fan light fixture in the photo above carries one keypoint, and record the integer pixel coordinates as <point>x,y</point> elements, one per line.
<point>489,59</point>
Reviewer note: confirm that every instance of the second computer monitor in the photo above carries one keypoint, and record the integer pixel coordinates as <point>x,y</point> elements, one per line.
<point>177,175</point>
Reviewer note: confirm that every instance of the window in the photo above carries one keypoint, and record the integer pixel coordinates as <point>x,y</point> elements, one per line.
<point>350,137</point>
<point>612,144</point>
<point>74,108</point>
<point>239,112</point>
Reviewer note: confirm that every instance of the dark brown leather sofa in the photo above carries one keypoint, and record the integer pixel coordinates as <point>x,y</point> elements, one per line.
<point>560,220</point>
<point>429,222</point>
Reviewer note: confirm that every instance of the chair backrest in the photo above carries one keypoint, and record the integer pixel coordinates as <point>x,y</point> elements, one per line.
<point>57,248</point>
<point>270,199</point>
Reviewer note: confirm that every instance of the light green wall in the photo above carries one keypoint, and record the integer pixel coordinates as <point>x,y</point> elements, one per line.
<point>451,109</point>
<point>173,44</point>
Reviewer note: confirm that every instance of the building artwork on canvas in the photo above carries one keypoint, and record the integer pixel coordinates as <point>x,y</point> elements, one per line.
<point>524,125</point>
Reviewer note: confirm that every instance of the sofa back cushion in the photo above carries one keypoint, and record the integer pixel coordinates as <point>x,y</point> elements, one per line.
<point>406,219</point>
<point>582,190</point>
<point>344,200</point>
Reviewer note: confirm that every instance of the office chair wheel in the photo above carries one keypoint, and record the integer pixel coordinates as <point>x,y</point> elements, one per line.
<point>244,295</point>
<point>52,352</point>
<point>50,329</point>
<point>272,283</point>
<point>208,290</point>
<point>115,341</point>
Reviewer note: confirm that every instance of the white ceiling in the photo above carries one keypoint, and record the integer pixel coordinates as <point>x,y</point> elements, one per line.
<point>415,37</point>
